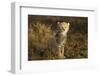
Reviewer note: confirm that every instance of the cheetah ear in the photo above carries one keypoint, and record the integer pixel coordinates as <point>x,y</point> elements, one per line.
<point>58,22</point>
<point>68,24</point>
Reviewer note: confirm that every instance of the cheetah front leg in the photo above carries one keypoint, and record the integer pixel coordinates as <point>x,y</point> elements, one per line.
<point>61,52</point>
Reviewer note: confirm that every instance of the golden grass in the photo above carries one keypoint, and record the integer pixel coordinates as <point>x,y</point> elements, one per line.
<point>39,34</point>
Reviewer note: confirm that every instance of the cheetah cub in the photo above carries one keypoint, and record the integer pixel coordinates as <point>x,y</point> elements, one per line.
<point>56,44</point>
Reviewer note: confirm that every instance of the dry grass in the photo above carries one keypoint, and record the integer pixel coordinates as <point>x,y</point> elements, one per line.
<point>38,37</point>
<point>76,46</point>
